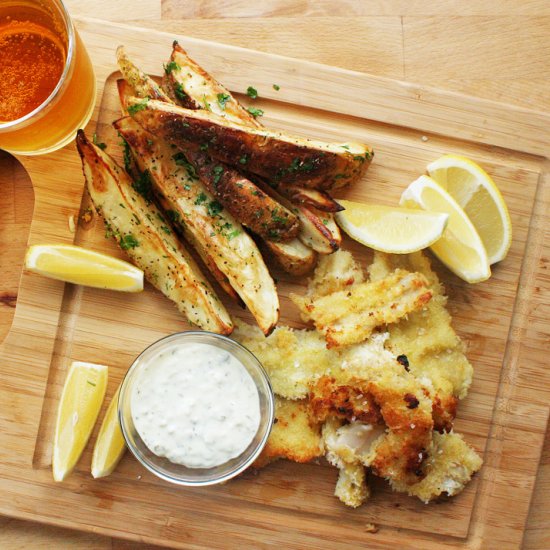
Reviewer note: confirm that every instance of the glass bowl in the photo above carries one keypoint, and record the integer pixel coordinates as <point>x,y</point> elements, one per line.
<point>177,473</point>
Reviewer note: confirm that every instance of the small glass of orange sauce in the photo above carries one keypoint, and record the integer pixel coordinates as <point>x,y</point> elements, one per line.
<point>47,83</point>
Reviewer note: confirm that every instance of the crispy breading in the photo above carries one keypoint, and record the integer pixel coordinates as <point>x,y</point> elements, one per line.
<point>450,466</point>
<point>349,316</point>
<point>333,273</point>
<point>292,358</point>
<point>434,352</point>
<point>351,487</point>
<point>349,402</point>
<point>295,434</point>
<point>343,444</point>
<point>403,406</point>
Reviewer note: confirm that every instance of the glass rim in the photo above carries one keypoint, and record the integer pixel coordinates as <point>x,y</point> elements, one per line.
<point>173,478</point>
<point>69,28</point>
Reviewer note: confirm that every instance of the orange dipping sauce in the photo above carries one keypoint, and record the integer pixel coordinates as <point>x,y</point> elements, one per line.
<point>32,61</point>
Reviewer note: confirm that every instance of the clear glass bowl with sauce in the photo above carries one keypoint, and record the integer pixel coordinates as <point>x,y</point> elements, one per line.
<point>144,367</point>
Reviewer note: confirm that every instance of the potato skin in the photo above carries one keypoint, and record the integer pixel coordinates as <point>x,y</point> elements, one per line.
<point>140,229</point>
<point>277,157</point>
<point>249,204</point>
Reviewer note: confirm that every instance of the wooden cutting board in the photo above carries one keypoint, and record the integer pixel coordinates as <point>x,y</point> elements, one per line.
<point>501,320</point>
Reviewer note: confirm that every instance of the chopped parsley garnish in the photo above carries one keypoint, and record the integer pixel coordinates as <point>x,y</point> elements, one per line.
<point>166,229</point>
<point>217,171</point>
<point>201,198</point>
<point>182,161</point>
<point>252,92</point>
<point>133,109</point>
<point>276,87</point>
<point>233,234</point>
<point>128,241</point>
<point>172,66</point>
<point>222,100</point>
<point>101,145</point>
<point>255,112</point>
<point>214,208</point>
<point>206,104</point>
<point>173,216</point>
<point>144,186</point>
<point>204,147</point>
<point>179,91</point>
<point>243,159</point>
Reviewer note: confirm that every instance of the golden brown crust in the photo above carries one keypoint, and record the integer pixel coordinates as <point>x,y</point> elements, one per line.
<point>275,156</point>
<point>349,316</point>
<point>350,403</point>
<point>295,434</point>
<point>244,200</point>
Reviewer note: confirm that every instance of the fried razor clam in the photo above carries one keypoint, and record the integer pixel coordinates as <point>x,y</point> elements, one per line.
<point>449,467</point>
<point>399,453</point>
<point>213,232</point>
<point>338,439</point>
<point>295,435</point>
<point>293,359</point>
<point>143,85</point>
<point>194,88</point>
<point>350,316</point>
<point>141,230</point>
<point>432,350</point>
<point>273,155</point>
<point>351,487</point>
<point>334,273</point>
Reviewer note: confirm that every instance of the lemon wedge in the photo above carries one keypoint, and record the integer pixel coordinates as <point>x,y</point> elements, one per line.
<point>110,445</point>
<point>391,229</point>
<point>460,248</point>
<point>74,264</point>
<point>79,406</point>
<point>477,194</point>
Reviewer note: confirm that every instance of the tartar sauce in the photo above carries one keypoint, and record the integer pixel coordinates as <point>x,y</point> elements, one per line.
<point>196,405</point>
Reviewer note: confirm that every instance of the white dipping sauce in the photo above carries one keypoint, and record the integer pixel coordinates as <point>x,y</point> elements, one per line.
<point>196,405</point>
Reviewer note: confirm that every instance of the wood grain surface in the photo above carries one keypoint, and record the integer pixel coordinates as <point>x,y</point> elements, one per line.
<point>491,49</point>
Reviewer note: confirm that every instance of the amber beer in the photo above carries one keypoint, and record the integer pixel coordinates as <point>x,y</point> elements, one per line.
<point>47,84</point>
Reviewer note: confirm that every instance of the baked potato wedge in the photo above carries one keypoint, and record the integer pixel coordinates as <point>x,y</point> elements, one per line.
<point>142,231</point>
<point>142,84</point>
<point>262,214</point>
<point>294,256</point>
<point>273,155</point>
<point>192,87</point>
<point>213,232</point>
<point>310,197</point>
<point>319,233</point>
<point>125,90</point>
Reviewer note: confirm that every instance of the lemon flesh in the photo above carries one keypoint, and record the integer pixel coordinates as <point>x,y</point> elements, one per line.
<point>110,445</point>
<point>74,264</point>
<point>391,229</point>
<point>460,248</point>
<point>79,407</point>
<point>477,194</point>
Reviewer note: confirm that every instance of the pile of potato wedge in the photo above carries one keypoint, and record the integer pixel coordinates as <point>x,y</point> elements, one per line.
<point>201,171</point>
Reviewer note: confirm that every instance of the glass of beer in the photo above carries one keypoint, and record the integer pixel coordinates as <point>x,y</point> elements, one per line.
<point>47,83</point>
